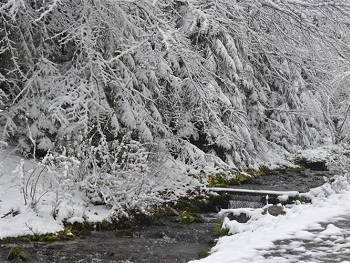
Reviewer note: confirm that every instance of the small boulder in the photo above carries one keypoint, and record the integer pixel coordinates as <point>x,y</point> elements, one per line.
<point>169,211</point>
<point>241,218</point>
<point>274,210</point>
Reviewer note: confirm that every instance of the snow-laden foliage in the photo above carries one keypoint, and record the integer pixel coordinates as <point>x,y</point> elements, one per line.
<point>337,111</point>
<point>124,86</point>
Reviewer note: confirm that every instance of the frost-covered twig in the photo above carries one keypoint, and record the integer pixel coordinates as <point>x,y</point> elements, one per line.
<point>48,10</point>
<point>127,51</point>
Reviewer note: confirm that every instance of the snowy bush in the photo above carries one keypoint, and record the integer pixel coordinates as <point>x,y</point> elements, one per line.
<point>51,179</point>
<point>121,179</point>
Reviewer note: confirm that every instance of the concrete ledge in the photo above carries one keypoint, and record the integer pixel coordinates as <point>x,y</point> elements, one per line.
<point>254,192</point>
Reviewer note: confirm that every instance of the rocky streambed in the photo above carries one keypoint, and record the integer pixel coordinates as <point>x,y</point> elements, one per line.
<point>164,240</point>
<point>289,180</point>
<point>284,180</point>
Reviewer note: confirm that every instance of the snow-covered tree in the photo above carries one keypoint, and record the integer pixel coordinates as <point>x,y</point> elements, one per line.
<point>201,82</point>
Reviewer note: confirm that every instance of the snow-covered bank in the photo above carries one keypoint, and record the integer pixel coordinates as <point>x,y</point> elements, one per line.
<point>35,199</point>
<point>19,188</point>
<point>250,241</point>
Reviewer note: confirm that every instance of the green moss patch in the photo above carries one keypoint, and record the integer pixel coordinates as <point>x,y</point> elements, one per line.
<point>232,178</point>
<point>303,199</point>
<point>203,204</point>
<point>17,252</point>
<point>318,165</point>
<point>219,230</point>
<point>185,217</point>
<point>202,253</point>
<point>51,237</point>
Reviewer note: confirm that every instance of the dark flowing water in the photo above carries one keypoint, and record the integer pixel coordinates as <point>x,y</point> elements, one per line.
<point>301,181</point>
<point>164,242</point>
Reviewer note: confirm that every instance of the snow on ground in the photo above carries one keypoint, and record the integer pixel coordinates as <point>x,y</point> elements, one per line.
<point>35,199</point>
<point>252,241</point>
<point>320,153</point>
<point>18,217</point>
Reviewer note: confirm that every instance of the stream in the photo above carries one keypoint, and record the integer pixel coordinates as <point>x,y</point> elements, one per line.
<point>163,241</point>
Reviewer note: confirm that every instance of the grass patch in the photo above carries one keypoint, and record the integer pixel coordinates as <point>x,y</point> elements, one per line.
<point>219,230</point>
<point>203,204</point>
<point>232,178</point>
<point>17,252</point>
<point>63,235</point>
<point>202,253</point>
<point>185,218</point>
<point>319,165</point>
<point>303,199</point>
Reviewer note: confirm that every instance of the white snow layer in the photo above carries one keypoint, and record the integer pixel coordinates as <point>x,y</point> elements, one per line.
<point>33,202</point>
<point>249,241</point>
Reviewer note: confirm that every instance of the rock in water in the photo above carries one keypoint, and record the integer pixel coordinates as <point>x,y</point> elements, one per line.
<point>274,210</point>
